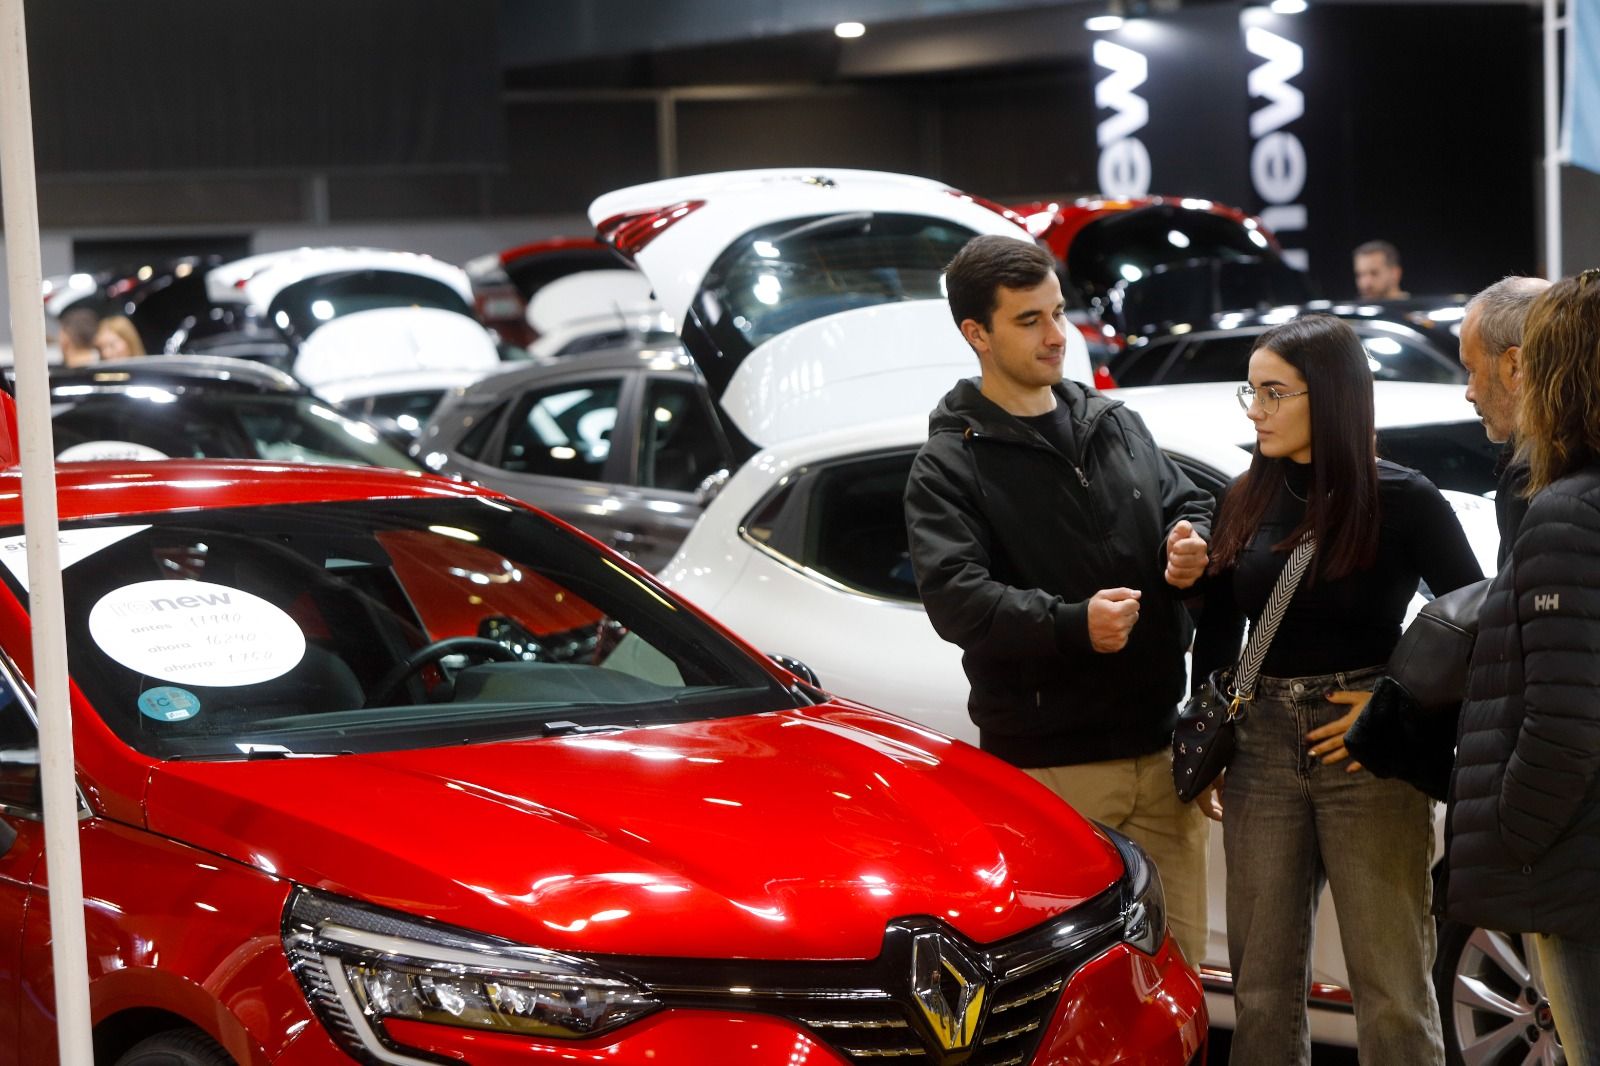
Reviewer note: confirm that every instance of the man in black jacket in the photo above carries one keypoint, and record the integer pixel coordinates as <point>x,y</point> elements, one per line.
<point>1051,537</point>
<point>1491,347</point>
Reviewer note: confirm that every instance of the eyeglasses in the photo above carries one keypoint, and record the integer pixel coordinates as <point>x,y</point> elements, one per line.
<point>1269,397</point>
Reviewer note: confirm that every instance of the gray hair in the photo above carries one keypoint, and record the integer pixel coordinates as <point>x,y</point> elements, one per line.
<point>1502,309</point>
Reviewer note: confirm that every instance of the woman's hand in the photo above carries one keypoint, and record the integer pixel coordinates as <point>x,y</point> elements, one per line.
<point>1210,801</point>
<point>1327,741</point>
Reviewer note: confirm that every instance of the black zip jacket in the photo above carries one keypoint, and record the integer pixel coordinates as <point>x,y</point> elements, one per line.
<point>1510,506</point>
<point>1523,835</point>
<point>1010,538</point>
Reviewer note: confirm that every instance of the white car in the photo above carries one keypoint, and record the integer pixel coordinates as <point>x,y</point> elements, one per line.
<point>352,316</point>
<point>595,310</point>
<point>803,553</point>
<point>787,280</point>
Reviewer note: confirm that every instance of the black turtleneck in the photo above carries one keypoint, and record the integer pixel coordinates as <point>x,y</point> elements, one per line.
<point>1349,623</point>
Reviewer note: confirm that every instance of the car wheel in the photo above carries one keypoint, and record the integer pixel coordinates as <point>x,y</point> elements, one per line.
<point>1492,999</point>
<point>179,1047</point>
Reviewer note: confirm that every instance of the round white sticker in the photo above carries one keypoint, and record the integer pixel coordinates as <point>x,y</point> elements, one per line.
<point>196,632</point>
<point>117,450</point>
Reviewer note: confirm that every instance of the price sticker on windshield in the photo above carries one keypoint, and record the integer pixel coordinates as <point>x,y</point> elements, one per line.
<point>196,632</point>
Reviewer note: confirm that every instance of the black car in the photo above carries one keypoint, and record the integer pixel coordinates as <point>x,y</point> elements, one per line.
<point>1406,340</point>
<point>204,407</point>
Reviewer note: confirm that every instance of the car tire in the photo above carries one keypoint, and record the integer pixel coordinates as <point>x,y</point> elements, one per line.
<point>1492,999</point>
<point>178,1047</point>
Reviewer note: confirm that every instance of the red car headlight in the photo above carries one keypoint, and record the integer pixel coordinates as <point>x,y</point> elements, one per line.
<point>359,965</point>
<point>1144,904</point>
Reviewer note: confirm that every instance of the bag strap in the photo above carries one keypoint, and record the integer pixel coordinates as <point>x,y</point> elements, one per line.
<point>1255,649</point>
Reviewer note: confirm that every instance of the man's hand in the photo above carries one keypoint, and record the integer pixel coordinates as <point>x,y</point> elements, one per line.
<point>1186,556</point>
<point>1112,613</point>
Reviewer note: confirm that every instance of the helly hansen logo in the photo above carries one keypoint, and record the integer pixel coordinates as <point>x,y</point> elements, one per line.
<point>1552,602</point>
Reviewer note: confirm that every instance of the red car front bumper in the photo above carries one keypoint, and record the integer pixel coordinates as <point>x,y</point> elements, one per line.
<point>1123,1007</point>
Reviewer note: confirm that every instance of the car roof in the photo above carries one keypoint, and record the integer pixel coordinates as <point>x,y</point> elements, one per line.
<point>736,202</point>
<point>1211,407</point>
<point>208,371</point>
<point>1194,418</point>
<point>1430,314</point>
<point>113,489</point>
<point>521,375</point>
<point>259,278</point>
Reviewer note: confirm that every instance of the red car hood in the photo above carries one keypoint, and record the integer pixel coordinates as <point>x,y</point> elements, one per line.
<point>792,835</point>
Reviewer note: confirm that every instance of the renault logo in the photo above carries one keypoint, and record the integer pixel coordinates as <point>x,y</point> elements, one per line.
<point>949,990</point>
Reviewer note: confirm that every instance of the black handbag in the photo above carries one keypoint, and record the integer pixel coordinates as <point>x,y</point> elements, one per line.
<point>1206,735</point>
<point>1434,652</point>
<point>1407,730</point>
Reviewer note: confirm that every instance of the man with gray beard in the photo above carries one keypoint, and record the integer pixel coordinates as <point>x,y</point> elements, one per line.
<point>1491,343</point>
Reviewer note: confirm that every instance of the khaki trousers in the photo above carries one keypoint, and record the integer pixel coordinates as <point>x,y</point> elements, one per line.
<point>1136,798</point>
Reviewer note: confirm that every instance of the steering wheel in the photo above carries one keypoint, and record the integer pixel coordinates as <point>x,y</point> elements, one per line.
<point>475,647</point>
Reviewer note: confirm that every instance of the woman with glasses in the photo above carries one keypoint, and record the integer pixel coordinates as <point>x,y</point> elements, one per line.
<point>1297,813</point>
<point>1524,844</point>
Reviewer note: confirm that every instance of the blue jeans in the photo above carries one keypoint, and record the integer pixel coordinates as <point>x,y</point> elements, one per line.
<point>1572,980</point>
<point>1292,824</point>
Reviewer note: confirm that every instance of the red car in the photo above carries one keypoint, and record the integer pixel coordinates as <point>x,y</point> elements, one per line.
<point>504,282</point>
<point>1154,262</point>
<point>377,767</point>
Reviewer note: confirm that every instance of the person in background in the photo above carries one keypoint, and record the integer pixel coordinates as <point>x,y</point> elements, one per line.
<point>1296,813</point>
<point>116,338</point>
<point>1523,847</point>
<point>1051,540</point>
<point>1491,344</point>
<point>1377,269</point>
<point>78,326</point>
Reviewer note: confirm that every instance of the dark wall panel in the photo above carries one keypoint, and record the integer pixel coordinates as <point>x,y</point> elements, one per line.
<point>868,130</point>
<point>561,154</point>
<point>360,198</point>
<point>202,85</point>
<point>212,202</point>
<point>1011,137</point>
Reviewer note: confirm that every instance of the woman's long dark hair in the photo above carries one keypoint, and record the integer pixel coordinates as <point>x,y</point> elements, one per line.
<point>1343,508</point>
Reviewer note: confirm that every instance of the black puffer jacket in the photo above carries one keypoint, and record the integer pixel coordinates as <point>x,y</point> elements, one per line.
<point>1010,538</point>
<point>1524,822</point>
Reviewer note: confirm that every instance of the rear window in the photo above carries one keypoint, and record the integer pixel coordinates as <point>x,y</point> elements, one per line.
<point>300,308</point>
<point>1453,455</point>
<point>781,276</point>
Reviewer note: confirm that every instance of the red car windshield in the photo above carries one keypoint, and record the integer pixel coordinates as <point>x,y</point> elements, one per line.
<point>372,626</point>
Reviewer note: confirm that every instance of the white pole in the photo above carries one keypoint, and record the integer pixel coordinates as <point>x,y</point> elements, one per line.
<point>1552,142</point>
<point>56,767</point>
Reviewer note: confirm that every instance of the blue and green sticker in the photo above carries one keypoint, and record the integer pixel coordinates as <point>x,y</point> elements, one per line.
<point>169,704</point>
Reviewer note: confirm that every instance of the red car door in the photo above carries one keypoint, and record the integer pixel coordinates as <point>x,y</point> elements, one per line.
<point>21,846</point>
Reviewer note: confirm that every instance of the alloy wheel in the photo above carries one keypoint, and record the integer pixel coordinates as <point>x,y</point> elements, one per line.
<point>1497,1006</point>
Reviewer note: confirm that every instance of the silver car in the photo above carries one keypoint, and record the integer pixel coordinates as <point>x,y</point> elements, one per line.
<point>623,444</point>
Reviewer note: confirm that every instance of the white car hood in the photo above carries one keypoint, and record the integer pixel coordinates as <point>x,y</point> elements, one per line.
<point>737,202</point>
<point>393,339</point>
<point>857,367</point>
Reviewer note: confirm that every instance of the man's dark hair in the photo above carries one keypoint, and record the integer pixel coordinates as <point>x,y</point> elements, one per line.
<point>973,279</point>
<point>79,323</point>
<point>1390,253</point>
